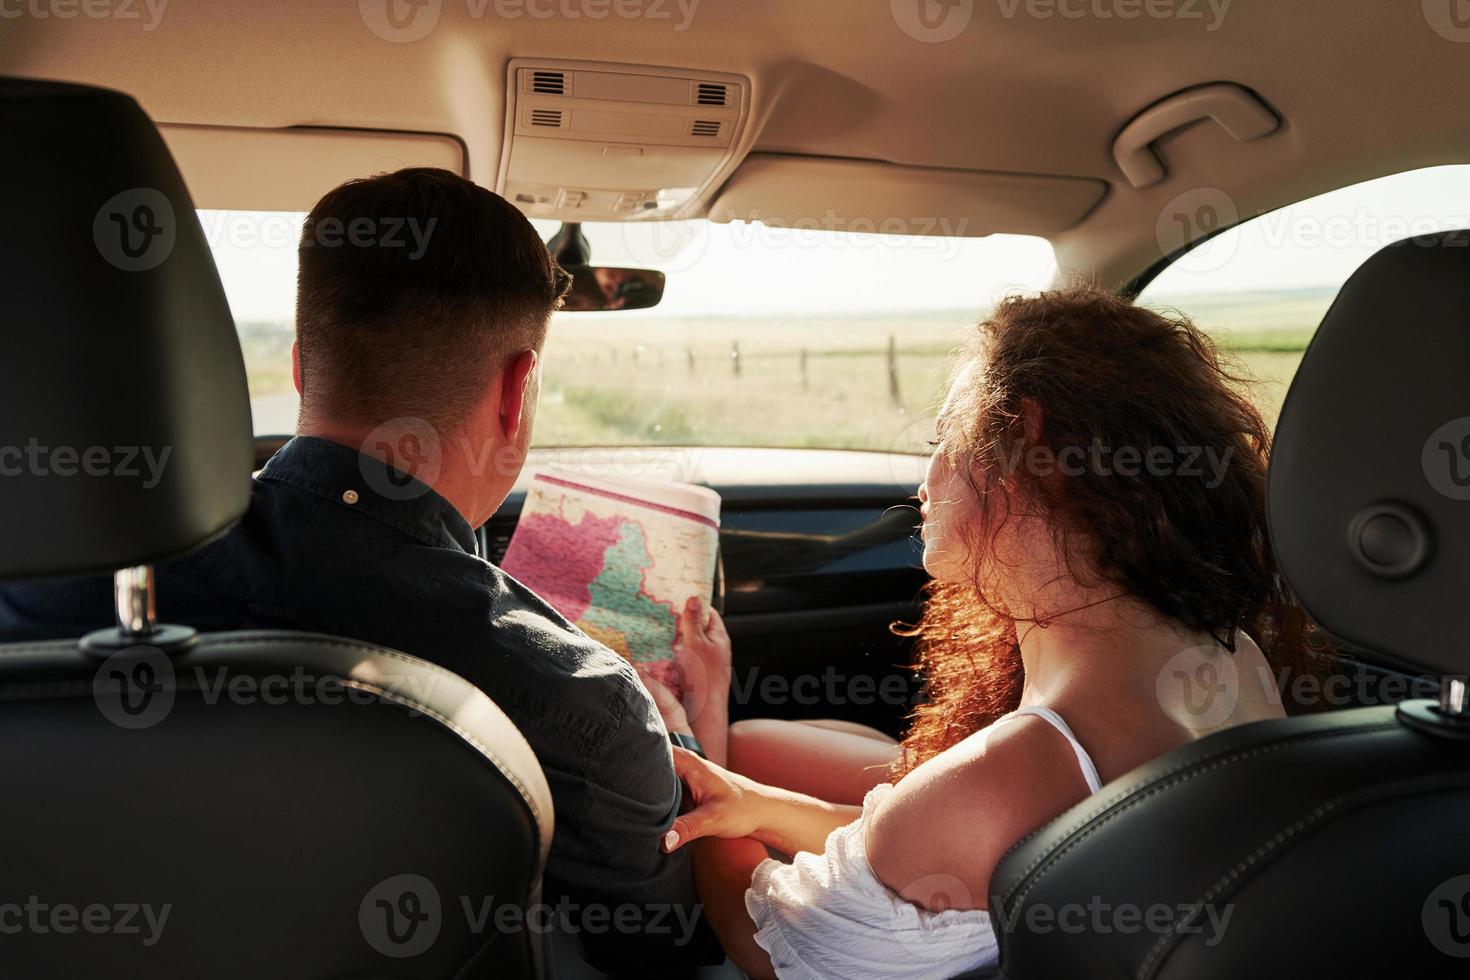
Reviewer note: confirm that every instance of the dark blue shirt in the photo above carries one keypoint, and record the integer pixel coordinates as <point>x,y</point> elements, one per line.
<point>393,563</point>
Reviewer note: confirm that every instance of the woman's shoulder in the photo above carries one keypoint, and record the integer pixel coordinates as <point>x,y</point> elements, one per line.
<point>937,836</point>
<point>827,914</point>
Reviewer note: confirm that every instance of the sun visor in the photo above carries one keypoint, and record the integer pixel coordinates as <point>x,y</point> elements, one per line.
<point>243,169</point>
<point>869,196</point>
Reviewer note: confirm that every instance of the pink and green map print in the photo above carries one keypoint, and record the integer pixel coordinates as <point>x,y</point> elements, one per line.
<point>617,565</point>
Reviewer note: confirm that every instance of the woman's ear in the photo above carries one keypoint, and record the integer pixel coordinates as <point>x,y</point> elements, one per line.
<point>1033,420</point>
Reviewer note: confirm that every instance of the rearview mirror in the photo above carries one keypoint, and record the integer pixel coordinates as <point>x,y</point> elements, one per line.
<point>600,287</point>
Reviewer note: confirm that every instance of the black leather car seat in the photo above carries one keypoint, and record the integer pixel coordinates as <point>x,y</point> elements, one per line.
<point>244,805</point>
<point>1335,844</point>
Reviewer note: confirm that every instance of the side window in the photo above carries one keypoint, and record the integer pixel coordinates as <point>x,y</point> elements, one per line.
<point>1262,287</point>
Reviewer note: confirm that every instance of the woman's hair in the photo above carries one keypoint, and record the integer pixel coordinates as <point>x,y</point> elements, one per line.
<point>1150,472</point>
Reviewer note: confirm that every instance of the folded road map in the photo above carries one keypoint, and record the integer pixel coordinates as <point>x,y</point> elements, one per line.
<point>618,557</point>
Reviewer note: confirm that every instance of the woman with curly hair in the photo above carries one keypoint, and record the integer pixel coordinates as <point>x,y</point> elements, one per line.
<point>1094,521</point>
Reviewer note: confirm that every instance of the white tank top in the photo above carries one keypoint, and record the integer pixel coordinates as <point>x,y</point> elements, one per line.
<point>828,915</point>
<point>1084,761</point>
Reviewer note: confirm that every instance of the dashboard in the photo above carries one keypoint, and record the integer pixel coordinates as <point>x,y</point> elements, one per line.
<point>799,529</point>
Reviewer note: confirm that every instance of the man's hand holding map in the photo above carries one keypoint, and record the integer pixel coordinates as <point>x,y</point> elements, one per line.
<point>619,558</point>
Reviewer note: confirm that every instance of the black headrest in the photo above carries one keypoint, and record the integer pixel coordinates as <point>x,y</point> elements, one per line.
<point>125,432</point>
<point>1370,476</point>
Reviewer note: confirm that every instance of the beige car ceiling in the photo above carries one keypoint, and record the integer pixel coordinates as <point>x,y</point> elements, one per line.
<point>975,102</point>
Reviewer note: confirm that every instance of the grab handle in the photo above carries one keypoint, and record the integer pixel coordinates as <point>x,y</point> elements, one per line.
<point>1239,112</point>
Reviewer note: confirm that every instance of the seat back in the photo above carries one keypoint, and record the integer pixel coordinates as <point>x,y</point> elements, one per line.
<point>230,805</point>
<point>1318,845</point>
<point>1330,844</point>
<point>265,804</point>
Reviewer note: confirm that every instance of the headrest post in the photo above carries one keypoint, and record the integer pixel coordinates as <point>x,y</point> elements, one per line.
<point>132,590</point>
<point>1452,696</point>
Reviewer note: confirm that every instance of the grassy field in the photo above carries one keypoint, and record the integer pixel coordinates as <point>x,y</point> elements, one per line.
<point>267,348</point>
<point>810,383</point>
<point>807,382</point>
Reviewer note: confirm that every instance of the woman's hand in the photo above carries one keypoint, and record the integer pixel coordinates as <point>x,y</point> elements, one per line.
<point>729,805</point>
<point>725,804</point>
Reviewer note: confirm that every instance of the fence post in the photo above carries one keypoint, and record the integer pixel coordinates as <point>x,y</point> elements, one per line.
<point>893,391</point>
<point>735,356</point>
<point>805,381</point>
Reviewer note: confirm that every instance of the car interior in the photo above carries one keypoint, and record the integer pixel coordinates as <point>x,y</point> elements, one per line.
<point>806,205</point>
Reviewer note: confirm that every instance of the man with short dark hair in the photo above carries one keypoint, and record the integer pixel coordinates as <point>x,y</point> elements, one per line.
<point>415,289</point>
<point>421,348</point>
<point>423,303</point>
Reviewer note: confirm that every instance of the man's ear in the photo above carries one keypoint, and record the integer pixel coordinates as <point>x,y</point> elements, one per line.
<point>296,365</point>
<point>514,384</point>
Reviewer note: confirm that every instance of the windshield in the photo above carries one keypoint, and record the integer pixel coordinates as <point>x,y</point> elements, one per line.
<point>766,336</point>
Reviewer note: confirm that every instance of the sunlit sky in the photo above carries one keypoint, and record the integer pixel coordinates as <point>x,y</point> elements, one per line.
<point>740,268</point>
<point>1322,240</point>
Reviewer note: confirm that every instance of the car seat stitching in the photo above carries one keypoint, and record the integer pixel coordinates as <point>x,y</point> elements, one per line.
<point>403,700</point>
<point>1286,834</point>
